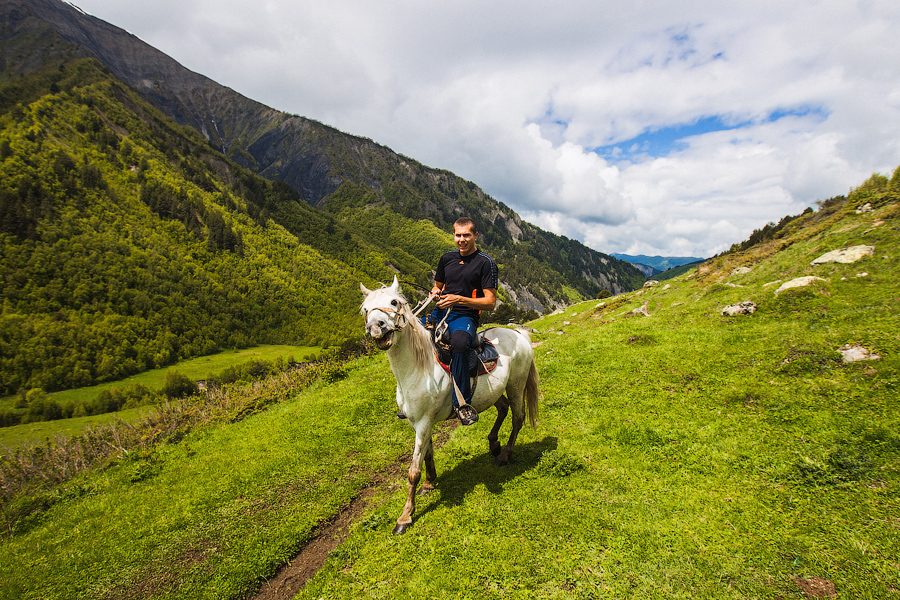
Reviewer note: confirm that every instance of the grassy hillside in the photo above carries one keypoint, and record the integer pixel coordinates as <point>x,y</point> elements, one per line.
<point>152,383</point>
<point>681,454</point>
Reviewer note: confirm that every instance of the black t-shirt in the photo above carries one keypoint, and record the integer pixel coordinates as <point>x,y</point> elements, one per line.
<point>466,276</point>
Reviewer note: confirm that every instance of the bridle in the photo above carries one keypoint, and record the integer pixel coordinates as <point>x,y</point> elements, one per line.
<point>399,323</point>
<point>402,320</point>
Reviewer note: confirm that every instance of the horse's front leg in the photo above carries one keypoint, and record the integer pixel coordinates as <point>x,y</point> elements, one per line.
<point>421,450</point>
<point>430,470</point>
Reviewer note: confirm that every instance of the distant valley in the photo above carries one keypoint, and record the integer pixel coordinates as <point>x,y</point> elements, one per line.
<point>651,265</point>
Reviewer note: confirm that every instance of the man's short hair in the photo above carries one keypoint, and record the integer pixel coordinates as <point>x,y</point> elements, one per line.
<point>466,222</point>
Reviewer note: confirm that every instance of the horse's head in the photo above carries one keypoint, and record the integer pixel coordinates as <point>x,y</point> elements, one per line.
<point>386,312</point>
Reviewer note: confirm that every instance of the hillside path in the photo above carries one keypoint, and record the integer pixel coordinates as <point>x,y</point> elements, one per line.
<point>291,578</point>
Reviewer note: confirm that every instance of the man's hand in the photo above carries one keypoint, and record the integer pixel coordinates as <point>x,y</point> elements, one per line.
<point>449,301</point>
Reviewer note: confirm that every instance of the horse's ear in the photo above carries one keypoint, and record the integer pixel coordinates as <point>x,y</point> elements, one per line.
<point>396,285</point>
<point>366,291</point>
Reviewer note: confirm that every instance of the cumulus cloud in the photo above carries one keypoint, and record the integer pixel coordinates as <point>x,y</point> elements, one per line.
<point>635,127</point>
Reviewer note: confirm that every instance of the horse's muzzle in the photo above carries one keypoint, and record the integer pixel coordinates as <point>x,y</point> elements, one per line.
<point>384,342</point>
<point>383,338</point>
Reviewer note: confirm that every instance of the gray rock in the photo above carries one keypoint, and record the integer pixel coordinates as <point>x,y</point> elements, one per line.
<point>845,255</point>
<point>799,282</point>
<point>855,353</point>
<point>743,308</point>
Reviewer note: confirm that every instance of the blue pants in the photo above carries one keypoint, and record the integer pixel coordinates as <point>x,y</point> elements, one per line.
<point>462,332</point>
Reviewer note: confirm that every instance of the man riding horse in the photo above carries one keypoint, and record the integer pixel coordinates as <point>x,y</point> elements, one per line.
<point>465,284</point>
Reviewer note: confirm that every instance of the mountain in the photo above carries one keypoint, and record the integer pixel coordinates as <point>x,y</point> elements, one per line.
<point>350,177</point>
<point>128,242</point>
<point>676,271</point>
<point>651,265</point>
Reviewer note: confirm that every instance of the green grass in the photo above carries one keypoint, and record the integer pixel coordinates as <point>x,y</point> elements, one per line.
<point>197,368</point>
<point>681,455</point>
<point>206,517</point>
<point>41,431</point>
<point>680,477</point>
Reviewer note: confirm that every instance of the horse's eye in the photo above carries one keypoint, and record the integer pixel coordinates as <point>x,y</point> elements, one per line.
<point>394,303</point>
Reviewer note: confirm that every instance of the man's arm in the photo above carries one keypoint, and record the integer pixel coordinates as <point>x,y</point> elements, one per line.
<point>488,302</point>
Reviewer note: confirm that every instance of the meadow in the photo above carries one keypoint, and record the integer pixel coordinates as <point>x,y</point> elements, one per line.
<point>195,368</point>
<point>682,454</point>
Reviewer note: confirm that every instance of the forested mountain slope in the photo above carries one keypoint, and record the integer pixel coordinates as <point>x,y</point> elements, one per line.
<point>126,243</point>
<point>346,175</point>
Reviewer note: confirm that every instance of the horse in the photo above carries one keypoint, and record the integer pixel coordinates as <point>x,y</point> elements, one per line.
<point>424,387</point>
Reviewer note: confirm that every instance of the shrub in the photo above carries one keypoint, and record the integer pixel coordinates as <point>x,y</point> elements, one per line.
<point>179,385</point>
<point>9,418</point>
<point>41,407</point>
<point>334,374</point>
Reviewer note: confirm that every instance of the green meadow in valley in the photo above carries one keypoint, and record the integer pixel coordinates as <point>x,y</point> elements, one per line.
<point>195,368</point>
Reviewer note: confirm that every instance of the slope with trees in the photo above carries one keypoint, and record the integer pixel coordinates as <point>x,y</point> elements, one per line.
<point>321,163</point>
<point>128,244</point>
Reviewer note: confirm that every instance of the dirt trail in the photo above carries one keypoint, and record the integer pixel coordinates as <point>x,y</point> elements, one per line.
<point>291,578</point>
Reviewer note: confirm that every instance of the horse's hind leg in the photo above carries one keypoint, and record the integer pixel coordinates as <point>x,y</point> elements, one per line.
<point>502,406</point>
<point>517,403</point>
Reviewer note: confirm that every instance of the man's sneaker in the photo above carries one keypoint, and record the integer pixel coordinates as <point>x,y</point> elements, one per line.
<point>467,414</point>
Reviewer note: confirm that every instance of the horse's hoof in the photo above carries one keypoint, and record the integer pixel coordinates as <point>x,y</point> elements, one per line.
<point>401,528</point>
<point>496,449</point>
<point>423,491</point>
<point>501,461</point>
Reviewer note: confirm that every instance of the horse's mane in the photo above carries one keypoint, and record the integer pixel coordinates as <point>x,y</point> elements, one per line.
<point>423,348</point>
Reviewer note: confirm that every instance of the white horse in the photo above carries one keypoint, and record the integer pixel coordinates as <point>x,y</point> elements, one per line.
<point>424,387</point>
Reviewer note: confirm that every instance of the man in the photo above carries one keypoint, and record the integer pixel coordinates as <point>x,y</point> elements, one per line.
<point>465,284</point>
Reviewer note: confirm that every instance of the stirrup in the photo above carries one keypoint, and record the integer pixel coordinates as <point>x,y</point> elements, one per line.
<point>467,414</point>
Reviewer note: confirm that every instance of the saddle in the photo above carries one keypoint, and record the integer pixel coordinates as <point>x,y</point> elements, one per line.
<point>482,355</point>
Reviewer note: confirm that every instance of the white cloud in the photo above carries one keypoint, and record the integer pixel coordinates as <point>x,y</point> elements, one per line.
<point>514,94</point>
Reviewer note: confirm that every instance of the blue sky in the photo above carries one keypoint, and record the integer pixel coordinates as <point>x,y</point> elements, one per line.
<point>676,129</point>
<point>658,143</point>
<point>662,142</point>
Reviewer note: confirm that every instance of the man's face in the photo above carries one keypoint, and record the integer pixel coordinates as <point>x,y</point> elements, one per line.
<point>465,239</point>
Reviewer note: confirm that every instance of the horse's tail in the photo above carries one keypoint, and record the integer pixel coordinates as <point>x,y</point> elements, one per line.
<point>532,394</point>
